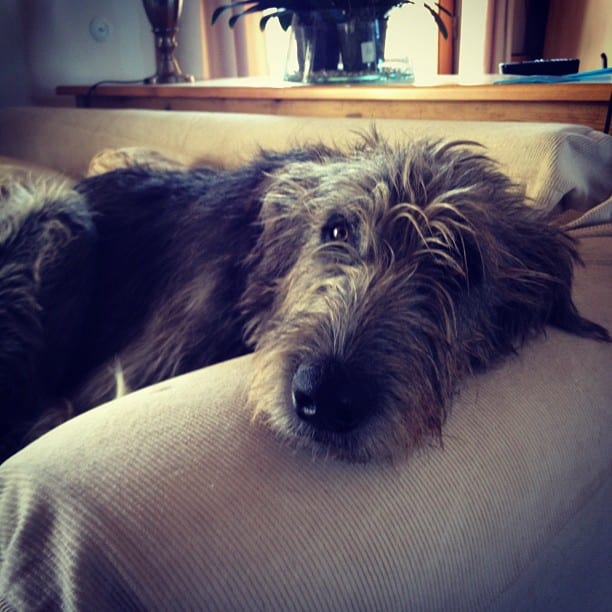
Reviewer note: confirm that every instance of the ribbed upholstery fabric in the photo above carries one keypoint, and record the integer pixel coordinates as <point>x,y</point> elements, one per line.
<point>561,165</point>
<point>171,499</point>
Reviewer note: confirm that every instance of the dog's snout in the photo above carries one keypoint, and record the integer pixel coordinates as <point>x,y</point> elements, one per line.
<point>326,397</point>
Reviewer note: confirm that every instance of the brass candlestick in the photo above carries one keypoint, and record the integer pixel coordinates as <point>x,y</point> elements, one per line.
<point>163,16</point>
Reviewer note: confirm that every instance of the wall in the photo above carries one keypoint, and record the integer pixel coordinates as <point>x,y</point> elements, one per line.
<point>45,43</point>
<point>472,38</point>
<point>50,42</point>
<point>14,73</point>
<point>579,29</point>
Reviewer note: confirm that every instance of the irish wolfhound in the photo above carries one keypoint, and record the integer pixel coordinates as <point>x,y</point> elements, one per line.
<point>368,281</point>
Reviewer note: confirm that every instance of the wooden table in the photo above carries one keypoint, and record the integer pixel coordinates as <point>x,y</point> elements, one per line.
<point>443,98</point>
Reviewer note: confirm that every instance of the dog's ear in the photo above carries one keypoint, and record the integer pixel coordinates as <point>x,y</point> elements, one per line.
<point>535,284</point>
<point>563,312</point>
<point>519,280</point>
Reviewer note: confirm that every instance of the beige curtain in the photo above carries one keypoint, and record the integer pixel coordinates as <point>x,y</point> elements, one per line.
<point>232,52</point>
<point>498,36</point>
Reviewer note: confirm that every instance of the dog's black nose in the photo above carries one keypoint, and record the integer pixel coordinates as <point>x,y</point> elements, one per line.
<point>326,397</point>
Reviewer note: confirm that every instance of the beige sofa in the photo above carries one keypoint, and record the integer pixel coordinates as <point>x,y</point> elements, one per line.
<point>171,499</point>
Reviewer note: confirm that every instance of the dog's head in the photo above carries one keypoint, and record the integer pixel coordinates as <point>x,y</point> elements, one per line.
<point>381,277</point>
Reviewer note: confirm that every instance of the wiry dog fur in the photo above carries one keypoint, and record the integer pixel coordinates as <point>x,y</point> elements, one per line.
<point>369,282</point>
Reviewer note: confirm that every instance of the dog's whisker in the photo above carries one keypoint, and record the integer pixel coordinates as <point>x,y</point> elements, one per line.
<point>121,387</point>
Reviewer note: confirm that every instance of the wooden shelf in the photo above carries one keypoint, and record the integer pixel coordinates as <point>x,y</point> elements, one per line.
<point>443,98</point>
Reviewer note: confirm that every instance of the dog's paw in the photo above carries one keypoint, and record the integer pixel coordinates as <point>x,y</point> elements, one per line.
<point>112,159</point>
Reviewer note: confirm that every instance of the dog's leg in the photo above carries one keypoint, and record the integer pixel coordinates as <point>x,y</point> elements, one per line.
<point>112,159</point>
<point>46,249</point>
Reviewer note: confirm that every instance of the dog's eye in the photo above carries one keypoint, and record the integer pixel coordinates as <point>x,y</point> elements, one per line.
<point>340,232</point>
<point>337,231</point>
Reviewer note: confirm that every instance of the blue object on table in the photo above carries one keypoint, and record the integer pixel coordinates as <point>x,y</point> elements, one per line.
<point>602,75</point>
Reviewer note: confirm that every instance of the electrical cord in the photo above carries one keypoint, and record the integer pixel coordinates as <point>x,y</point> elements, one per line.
<point>92,89</point>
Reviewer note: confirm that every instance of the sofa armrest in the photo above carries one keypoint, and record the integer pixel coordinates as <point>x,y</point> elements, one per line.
<point>562,166</point>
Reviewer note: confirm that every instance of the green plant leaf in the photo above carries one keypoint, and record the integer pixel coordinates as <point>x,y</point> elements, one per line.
<point>254,8</point>
<point>284,10</point>
<point>444,10</point>
<point>438,20</point>
<point>284,18</point>
<point>226,7</point>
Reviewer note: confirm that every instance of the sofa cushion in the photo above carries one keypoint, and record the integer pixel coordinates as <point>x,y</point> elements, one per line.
<point>23,171</point>
<point>562,166</point>
<point>171,498</point>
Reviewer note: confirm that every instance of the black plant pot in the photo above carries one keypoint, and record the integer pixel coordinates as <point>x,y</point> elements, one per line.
<point>317,42</point>
<point>362,44</point>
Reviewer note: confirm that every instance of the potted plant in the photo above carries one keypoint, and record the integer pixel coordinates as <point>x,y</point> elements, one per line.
<point>330,10</point>
<point>326,31</point>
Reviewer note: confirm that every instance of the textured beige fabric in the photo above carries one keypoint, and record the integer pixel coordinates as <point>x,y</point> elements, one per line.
<point>598,215</point>
<point>562,165</point>
<point>23,171</point>
<point>171,499</point>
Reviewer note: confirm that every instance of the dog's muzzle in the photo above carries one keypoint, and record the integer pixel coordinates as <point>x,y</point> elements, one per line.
<point>328,397</point>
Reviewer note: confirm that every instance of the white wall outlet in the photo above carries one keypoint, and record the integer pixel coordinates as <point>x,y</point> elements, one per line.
<point>100,29</point>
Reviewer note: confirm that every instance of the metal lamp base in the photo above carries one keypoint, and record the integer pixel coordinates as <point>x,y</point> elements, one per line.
<point>163,16</point>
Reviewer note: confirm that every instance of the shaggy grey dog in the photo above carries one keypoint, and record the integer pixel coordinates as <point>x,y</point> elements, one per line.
<point>369,282</point>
